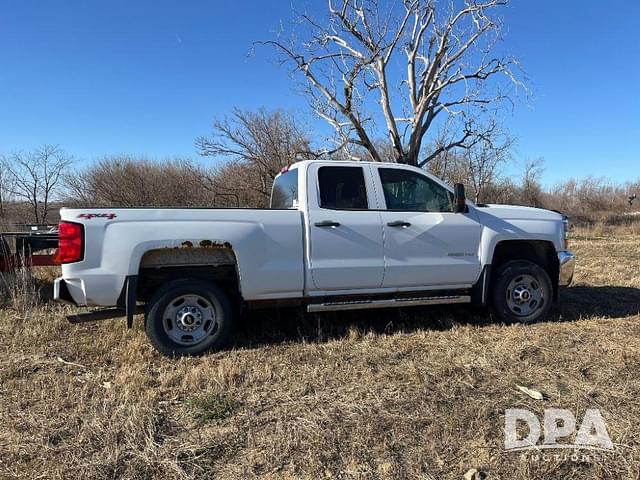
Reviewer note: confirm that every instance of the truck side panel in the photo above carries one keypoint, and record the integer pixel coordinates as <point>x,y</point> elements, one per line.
<point>268,246</point>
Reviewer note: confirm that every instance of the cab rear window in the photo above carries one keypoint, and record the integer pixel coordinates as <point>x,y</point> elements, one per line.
<point>285,190</point>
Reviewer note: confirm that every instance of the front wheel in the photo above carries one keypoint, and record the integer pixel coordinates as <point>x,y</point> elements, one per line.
<point>522,292</point>
<point>188,317</point>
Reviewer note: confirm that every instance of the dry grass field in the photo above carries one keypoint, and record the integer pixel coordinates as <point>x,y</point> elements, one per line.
<point>416,394</point>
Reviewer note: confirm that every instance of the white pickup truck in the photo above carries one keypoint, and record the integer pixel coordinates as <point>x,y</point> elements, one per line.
<point>338,236</point>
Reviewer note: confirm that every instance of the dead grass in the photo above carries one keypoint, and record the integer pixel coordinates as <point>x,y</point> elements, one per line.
<point>419,393</point>
<point>25,289</point>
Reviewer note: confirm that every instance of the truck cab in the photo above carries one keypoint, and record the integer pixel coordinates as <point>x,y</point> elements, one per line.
<point>339,235</point>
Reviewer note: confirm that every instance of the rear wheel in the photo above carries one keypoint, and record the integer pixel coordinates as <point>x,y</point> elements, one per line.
<point>188,317</point>
<point>522,292</point>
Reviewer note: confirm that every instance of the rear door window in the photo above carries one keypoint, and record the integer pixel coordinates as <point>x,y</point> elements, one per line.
<point>342,188</point>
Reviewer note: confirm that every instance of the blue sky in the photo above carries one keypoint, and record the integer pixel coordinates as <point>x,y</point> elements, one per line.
<point>147,77</point>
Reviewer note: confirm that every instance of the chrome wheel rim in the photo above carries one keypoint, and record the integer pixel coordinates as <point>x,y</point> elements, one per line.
<point>189,320</point>
<point>525,295</point>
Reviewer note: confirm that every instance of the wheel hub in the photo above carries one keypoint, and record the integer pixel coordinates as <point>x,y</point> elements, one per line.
<point>525,295</point>
<point>521,294</point>
<point>188,318</point>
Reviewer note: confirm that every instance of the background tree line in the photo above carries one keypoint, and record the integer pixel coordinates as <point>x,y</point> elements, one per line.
<point>247,151</point>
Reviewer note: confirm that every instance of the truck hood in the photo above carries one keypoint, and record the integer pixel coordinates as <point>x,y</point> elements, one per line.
<point>516,212</point>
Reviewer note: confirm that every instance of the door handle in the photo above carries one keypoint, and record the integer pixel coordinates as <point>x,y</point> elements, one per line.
<point>399,223</point>
<point>327,223</point>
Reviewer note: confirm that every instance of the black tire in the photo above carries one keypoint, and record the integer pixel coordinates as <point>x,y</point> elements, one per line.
<point>212,304</point>
<point>521,292</point>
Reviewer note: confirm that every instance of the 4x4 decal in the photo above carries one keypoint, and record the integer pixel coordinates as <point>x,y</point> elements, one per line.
<point>89,216</point>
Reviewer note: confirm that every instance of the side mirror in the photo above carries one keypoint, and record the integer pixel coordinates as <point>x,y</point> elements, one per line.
<point>459,198</point>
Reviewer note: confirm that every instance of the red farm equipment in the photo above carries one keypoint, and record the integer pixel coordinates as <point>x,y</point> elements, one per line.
<point>29,248</point>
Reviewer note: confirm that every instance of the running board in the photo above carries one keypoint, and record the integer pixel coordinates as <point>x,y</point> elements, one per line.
<point>386,303</point>
<point>104,314</point>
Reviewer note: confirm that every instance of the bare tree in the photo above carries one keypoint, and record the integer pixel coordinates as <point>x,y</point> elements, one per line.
<point>36,176</point>
<point>258,143</point>
<point>7,185</point>
<point>238,184</point>
<point>531,189</point>
<point>480,166</point>
<point>484,161</point>
<point>449,58</point>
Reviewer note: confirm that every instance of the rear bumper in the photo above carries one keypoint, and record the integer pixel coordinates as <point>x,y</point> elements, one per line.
<point>71,291</point>
<point>90,290</point>
<point>61,292</point>
<point>567,261</point>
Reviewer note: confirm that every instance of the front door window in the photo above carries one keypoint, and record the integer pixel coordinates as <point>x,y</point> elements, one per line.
<point>405,190</point>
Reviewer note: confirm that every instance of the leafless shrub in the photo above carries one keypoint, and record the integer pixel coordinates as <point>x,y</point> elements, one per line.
<point>127,181</point>
<point>590,195</point>
<point>589,200</point>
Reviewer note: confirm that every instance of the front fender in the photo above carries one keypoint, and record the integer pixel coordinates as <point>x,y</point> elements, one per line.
<point>496,230</point>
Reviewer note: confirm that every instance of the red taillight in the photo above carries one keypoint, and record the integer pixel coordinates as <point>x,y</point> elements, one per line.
<point>70,242</point>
